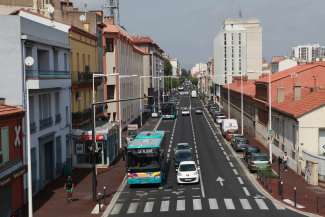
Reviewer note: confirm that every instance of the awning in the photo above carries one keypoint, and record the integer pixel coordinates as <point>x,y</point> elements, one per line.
<point>74,136</point>
<point>11,170</point>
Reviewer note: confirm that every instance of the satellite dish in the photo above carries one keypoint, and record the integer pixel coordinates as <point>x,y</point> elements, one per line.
<point>50,9</point>
<point>29,61</point>
<point>82,18</point>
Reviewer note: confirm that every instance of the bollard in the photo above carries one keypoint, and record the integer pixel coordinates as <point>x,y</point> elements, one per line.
<point>104,195</point>
<point>279,187</point>
<point>99,201</point>
<point>295,196</point>
<point>281,190</point>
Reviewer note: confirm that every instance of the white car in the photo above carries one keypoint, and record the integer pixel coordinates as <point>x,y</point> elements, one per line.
<point>219,119</point>
<point>188,172</point>
<point>185,112</point>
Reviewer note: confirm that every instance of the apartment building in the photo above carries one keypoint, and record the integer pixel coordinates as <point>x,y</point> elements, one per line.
<point>308,52</point>
<point>176,67</point>
<point>48,83</point>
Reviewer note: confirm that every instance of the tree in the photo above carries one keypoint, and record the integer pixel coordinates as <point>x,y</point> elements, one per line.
<point>189,73</point>
<point>168,69</point>
<point>184,73</point>
<point>194,80</point>
<point>175,82</point>
<point>181,80</point>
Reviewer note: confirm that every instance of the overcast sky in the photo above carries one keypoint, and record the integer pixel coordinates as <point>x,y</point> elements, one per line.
<point>185,29</point>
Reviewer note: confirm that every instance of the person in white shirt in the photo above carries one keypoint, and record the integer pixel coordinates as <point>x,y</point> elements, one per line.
<point>285,161</point>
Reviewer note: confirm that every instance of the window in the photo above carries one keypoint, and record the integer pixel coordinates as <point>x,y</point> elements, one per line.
<point>67,116</point>
<point>109,45</point>
<point>225,52</point>
<point>239,39</point>
<point>58,152</point>
<point>57,103</point>
<point>78,62</point>
<point>283,126</point>
<point>110,92</point>
<point>65,62</point>
<point>56,61</point>
<point>232,52</point>
<point>294,137</point>
<point>232,65</point>
<point>232,38</point>
<point>239,52</point>
<point>239,65</point>
<point>5,143</point>
<point>225,64</point>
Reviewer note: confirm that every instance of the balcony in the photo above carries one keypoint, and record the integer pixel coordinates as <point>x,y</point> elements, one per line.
<point>41,79</point>
<point>46,122</point>
<point>84,80</point>
<point>58,118</point>
<point>33,127</point>
<point>80,119</point>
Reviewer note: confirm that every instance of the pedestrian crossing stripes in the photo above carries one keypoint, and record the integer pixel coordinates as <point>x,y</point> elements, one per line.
<point>194,204</point>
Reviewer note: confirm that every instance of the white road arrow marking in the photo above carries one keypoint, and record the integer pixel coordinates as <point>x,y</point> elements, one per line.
<point>219,179</point>
<point>177,192</point>
<point>143,194</point>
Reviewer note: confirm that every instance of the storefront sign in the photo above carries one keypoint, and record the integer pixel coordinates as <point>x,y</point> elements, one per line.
<point>9,178</point>
<point>89,137</point>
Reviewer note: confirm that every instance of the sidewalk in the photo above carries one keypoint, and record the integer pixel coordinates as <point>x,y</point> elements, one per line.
<point>306,194</point>
<point>52,200</point>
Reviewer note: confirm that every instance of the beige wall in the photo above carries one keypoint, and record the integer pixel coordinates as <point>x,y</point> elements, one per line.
<point>254,48</point>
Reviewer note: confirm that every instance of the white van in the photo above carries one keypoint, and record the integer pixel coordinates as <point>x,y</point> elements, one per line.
<point>193,95</point>
<point>228,124</point>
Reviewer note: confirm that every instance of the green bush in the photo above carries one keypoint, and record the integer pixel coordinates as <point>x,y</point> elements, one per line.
<point>269,173</point>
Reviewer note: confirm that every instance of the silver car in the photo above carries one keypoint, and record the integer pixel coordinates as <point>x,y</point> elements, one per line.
<point>182,147</point>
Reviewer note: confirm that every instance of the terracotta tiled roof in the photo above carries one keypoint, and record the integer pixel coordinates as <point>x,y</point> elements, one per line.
<point>137,49</point>
<point>287,72</point>
<point>308,102</point>
<point>279,60</point>
<point>9,110</point>
<point>248,87</point>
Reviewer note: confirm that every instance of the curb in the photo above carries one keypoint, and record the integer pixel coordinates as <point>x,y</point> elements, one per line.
<point>256,184</point>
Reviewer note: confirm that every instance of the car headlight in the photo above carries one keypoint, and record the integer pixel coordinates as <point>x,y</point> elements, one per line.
<point>179,174</point>
<point>195,173</point>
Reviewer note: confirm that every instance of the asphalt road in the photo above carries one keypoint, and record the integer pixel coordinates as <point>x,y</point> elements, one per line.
<point>235,196</point>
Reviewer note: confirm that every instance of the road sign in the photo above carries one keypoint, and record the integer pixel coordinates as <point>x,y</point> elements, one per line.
<point>270,136</point>
<point>140,110</point>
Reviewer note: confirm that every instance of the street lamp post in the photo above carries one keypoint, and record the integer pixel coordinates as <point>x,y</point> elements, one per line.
<point>241,102</point>
<point>140,96</point>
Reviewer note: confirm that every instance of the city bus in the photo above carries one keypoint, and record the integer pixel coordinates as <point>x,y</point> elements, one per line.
<point>168,110</point>
<point>146,158</point>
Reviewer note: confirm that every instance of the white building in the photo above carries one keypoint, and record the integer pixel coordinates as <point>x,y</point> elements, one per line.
<point>237,48</point>
<point>48,82</point>
<point>282,64</point>
<point>176,67</point>
<point>198,69</point>
<point>308,52</point>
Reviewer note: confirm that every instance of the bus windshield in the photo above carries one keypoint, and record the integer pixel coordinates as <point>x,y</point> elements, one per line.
<point>143,160</point>
<point>168,109</point>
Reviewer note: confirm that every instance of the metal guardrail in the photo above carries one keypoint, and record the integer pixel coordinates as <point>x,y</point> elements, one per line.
<point>320,200</point>
<point>46,122</point>
<point>84,77</point>
<point>79,117</point>
<point>58,118</point>
<point>39,74</point>
<point>320,159</point>
<point>264,179</point>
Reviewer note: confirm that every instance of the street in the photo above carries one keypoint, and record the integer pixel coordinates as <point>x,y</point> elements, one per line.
<point>212,196</point>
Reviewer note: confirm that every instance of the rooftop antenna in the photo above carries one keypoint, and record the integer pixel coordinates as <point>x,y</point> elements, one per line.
<point>113,8</point>
<point>86,11</point>
<point>240,16</point>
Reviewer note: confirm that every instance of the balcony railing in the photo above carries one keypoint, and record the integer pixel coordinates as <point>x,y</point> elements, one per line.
<point>84,77</point>
<point>79,117</point>
<point>40,74</point>
<point>33,127</point>
<point>46,122</point>
<point>58,118</point>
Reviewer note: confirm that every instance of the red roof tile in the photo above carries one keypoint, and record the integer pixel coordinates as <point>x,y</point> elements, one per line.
<point>308,102</point>
<point>279,60</point>
<point>6,110</point>
<point>248,87</point>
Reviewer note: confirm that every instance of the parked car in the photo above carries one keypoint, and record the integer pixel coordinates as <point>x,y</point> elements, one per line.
<point>219,119</point>
<point>188,172</point>
<point>249,150</point>
<point>185,155</point>
<point>258,160</point>
<point>240,144</point>
<point>230,133</point>
<point>211,109</point>
<point>216,114</point>
<point>234,137</point>
<point>199,110</point>
<point>228,124</point>
<point>182,147</point>
<point>185,112</point>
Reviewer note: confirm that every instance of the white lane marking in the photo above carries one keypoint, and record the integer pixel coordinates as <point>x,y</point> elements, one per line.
<point>169,150</point>
<point>133,206</point>
<point>246,191</point>
<point>235,171</point>
<point>278,207</point>
<point>167,155</point>
<point>231,164</point>
<point>261,204</point>
<point>180,205</point>
<point>195,151</point>
<point>171,138</point>
<point>197,204</point>
<point>196,188</point>
<point>217,140</point>
<point>121,200</point>
<point>160,187</point>
<point>164,198</point>
<point>135,199</point>
<point>151,198</point>
<point>116,208</point>
<point>96,209</point>
<point>201,182</point>
<point>195,146</point>
<point>198,162</point>
<point>292,203</point>
<point>164,206</point>
<point>222,148</point>
<point>240,180</point>
<point>181,197</point>
<point>139,191</point>
<point>227,157</point>
<point>181,189</point>
<point>170,146</point>
<point>197,156</point>
<point>168,190</point>
<point>220,144</point>
<point>245,204</point>
<point>213,203</point>
<point>229,204</point>
<point>224,153</point>
<point>148,207</point>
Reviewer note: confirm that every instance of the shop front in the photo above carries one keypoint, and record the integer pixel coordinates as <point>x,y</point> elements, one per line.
<point>106,145</point>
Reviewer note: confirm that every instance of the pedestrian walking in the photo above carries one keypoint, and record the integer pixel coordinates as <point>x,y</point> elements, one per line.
<point>285,161</point>
<point>69,184</point>
<point>130,141</point>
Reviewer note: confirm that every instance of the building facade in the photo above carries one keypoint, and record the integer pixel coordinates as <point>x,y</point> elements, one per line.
<point>48,82</point>
<point>237,48</point>
<point>308,52</point>
<point>176,67</point>
<point>282,64</point>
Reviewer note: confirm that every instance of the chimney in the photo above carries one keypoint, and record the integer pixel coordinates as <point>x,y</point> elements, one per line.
<point>86,26</point>
<point>2,100</point>
<point>296,91</point>
<point>109,20</point>
<point>281,94</point>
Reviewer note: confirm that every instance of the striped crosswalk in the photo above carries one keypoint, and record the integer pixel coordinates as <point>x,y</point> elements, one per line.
<point>194,204</point>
